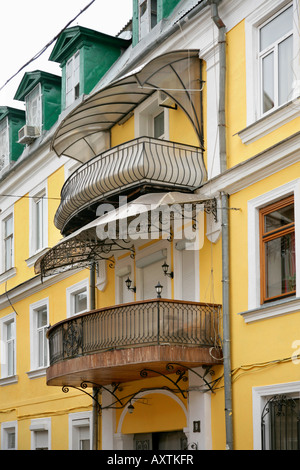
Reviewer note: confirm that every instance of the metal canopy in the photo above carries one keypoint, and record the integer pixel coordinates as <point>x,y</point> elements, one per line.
<point>175,73</point>
<point>85,246</point>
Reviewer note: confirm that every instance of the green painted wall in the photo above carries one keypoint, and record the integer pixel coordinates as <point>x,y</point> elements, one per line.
<point>164,9</point>
<point>51,104</point>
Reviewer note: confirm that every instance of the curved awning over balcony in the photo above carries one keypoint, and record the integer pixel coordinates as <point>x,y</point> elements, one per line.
<point>113,232</point>
<point>176,73</point>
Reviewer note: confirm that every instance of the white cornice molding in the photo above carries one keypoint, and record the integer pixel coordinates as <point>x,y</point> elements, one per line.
<point>30,287</point>
<point>256,168</point>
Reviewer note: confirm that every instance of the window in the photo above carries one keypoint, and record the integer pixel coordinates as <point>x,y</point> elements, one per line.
<point>8,232</point>
<point>40,434</point>
<point>9,435</point>
<point>39,226</point>
<point>39,321</point>
<point>78,298</point>
<point>4,145</point>
<point>38,220</point>
<point>159,125</point>
<point>147,16</point>
<point>80,430</point>
<point>8,346</point>
<point>276,60</point>
<point>278,267</point>
<point>152,120</point>
<point>33,107</point>
<point>72,79</point>
<point>280,423</point>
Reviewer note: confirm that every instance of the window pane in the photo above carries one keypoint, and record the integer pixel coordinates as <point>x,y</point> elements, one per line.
<point>11,440</point>
<point>10,358</point>
<point>285,70</point>
<point>8,254</point>
<point>8,226</point>
<point>268,82</point>
<point>80,302</point>
<point>280,266</point>
<point>159,127</point>
<point>284,416</point>
<point>279,218</point>
<point>276,28</point>
<point>42,317</point>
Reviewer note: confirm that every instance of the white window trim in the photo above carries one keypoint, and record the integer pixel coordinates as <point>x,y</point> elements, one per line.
<point>70,291</point>
<point>39,191</point>
<point>40,424</point>
<point>259,398</point>
<point>71,92</point>
<point>256,311</point>
<point>258,126</point>
<point>7,379</point>
<point>77,420</point>
<point>158,251</point>
<point>4,125</point>
<point>28,99</point>
<point>12,271</point>
<point>143,117</point>
<point>6,427</point>
<point>124,267</point>
<point>35,370</point>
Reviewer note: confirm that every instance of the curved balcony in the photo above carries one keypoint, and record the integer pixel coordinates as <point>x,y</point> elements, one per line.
<point>114,344</point>
<point>140,163</point>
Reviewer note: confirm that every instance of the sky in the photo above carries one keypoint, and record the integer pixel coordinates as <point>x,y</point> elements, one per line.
<point>27,26</point>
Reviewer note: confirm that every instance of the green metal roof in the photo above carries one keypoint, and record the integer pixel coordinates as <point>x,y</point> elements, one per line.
<point>71,38</point>
<point>31,79</point>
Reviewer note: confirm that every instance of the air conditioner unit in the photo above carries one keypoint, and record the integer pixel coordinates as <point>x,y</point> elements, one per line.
<point>165,100</point>
<point>28,134</point>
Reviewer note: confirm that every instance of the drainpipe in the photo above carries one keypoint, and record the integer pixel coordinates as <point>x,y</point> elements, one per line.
<point>222,82</point>
<point>225,226</point>
<point>95,412</point>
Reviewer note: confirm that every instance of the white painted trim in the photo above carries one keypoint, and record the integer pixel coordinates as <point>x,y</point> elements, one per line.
<point>5,378</point>
<point>72,290</point>
<point>254,205</point>
<point>5,275</point>
<point>77,420</point>
<point>4,427</point>
<point>34,369</point>
<point>39,191</point>
<point>40,424</point>
<point>259,398</point>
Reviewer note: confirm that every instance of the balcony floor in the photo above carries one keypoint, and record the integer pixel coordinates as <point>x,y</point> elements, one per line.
<point>125,365</point>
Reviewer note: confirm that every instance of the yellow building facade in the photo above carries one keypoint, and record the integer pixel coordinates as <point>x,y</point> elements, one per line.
<point>120,330</point>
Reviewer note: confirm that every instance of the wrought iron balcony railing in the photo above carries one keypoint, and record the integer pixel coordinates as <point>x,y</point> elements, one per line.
<point>144,323</point>
<point>142,161</point>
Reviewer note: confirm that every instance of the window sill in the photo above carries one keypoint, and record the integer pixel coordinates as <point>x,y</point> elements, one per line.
<point>7,275</point>
<point>12,379</point>
<point>36,373</point>
<point>32,259</point>
<point>270,122</point>
<point>272,310</point>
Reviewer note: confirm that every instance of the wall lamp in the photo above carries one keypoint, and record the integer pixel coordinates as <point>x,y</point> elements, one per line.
<point>159,289</point>
<point>165,267</point>
<point>130,408</point>
<point>128,283</point>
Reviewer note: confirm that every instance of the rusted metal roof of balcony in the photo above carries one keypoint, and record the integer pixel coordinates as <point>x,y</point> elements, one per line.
<point>143,164</point>
<point>176,73</point>
<point>115,344</point>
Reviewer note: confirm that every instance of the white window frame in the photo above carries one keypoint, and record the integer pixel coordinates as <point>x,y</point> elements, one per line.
<point>38,425</point>
<point>4,238</point>
<point>258,125</point>
<point>72,291</point>
<point>6,428</point>
<point>144,118</point>
<point>257,311</point>
<point>4,156</point>
<point>77,421</point>
<point>260,396</point>
<point>145,21</point>
<point>38,196</point>
<point>7,378</point>
<point>123,268</point>
<point>71,73</point>
<point>34,95</point>
<point>35,369</point>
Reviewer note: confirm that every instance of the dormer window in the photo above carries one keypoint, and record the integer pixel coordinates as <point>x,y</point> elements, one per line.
<point>72,79</point>
<point>34,107</point>
<point>147,16</point>
<point>4,146</point>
